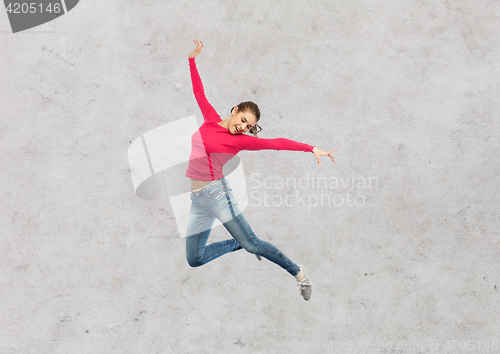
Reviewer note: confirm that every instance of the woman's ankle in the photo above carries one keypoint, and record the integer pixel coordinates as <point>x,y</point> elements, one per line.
<point>300,275</point>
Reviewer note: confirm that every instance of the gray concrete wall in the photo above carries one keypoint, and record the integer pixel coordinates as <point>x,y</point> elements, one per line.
<point>406,91</point>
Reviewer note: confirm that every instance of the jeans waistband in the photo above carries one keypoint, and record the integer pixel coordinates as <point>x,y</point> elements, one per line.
<point>205,186</point>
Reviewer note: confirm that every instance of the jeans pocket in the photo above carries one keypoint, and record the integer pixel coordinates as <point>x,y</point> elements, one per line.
<point>214,191</point>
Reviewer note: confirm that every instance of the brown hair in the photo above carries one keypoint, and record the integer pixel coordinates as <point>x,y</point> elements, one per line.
<point>251,107</point>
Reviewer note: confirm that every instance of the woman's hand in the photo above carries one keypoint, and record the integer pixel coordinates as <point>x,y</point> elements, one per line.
<point>198,49</point>
<point>318,153</point>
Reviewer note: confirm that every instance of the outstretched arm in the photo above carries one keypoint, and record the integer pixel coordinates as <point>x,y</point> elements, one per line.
<point>246,142</point>
<point>206,108</point>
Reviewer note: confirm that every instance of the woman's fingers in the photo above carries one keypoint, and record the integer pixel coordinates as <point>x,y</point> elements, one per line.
<point>331,157</point>
<point>196,51</point>
<point>323,153</point>
<point>198,47</point>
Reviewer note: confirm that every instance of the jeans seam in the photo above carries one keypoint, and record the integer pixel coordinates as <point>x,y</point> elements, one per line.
<point>198,239</point>
<point>216,254</point>
<point>233,213</point>
<point>286,260</point>
<point>249,234</point>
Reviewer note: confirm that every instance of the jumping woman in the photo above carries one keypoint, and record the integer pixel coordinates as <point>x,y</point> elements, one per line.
<point>215,143</point>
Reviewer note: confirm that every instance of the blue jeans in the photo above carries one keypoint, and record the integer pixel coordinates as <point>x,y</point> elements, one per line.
<point>216,200</point>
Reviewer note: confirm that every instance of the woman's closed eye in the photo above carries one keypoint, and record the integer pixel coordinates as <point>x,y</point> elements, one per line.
<point>244,120</point>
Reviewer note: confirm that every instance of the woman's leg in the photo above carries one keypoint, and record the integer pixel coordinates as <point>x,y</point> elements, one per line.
<point>200,224</point>
<point>237,225</point>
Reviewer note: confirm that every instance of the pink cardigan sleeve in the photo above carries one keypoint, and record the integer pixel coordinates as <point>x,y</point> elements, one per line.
<point>206,108</point>
<point>247,142</point>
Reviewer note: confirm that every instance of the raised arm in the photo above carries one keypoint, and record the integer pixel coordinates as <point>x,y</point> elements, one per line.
<point>206,108</point>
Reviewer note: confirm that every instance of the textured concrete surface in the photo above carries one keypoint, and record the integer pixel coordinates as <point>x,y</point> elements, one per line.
<point>406,91</point>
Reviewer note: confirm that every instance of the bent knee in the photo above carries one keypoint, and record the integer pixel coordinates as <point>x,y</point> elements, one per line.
<point>193,262</point>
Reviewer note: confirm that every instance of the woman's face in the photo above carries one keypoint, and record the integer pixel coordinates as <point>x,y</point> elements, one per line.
<point>241,122</point>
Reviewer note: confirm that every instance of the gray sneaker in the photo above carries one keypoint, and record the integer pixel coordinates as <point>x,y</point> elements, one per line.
<point>305,285</point>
